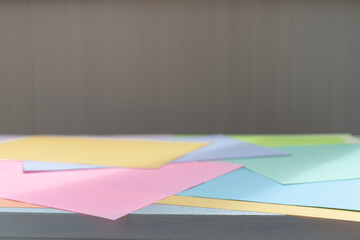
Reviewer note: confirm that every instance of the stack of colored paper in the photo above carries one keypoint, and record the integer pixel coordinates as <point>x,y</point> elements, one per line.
<point>111,177</point>
<point>320,178</point>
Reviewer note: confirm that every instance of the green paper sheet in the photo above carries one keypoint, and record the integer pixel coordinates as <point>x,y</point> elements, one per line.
<point>308,163</point>
<point>292,139</point>
<point>296,139</point>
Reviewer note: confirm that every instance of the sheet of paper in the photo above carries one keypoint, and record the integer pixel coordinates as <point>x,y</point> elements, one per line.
<point>309,163</point>
<point>132,153</point>
<point>263,207</point>
<point>222,147</point>
<point>30,166</point>
<point>34,166</point>
<point>245,185</point>
<point>4,203</point>
<point>108,193</point>
<point>297,139</point>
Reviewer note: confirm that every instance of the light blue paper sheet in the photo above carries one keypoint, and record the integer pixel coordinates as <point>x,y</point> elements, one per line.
<point>246,185</point>
<point>222,147</point>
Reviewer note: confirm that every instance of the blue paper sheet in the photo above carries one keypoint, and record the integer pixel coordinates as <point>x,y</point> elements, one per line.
<point>246,185</point>
<point>222,147</point>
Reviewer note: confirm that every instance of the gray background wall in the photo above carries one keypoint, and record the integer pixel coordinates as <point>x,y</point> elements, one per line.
<point>180,66</point>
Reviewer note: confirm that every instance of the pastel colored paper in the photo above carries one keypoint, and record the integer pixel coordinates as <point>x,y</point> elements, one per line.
<point>132,153</point>
<point>34,166</point>
<point>4,203</point>
<point>309,163</point>
<point>5,138</point>
<point>245,185</point>
<point>222,147</point>
<point>108,193</point>
<point>325,213</point>
<point>297,139</point>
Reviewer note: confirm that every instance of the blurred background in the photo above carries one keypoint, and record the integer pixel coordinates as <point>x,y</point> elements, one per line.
<point>179,66</point>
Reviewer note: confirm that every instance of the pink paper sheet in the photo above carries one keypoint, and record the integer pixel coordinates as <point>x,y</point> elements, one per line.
<point>108,193</point>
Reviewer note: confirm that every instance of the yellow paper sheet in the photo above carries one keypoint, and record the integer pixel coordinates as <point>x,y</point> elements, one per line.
<point>108,152</point>
<point>263,207</point>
